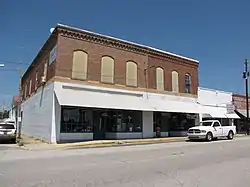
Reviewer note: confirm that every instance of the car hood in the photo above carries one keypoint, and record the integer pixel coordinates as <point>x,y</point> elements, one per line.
<point>200,127</point>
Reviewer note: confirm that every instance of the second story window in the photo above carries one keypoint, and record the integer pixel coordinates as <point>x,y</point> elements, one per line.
<point>30,88</point>
<point>45,69</point>
<point>36,83</point>
<point>175,81</point>
<point>159,79</point>
<point>25,90</point>
<point>187,83</point>
<point>80,65</point>
<point>131,73</point>
<point>107,69</point>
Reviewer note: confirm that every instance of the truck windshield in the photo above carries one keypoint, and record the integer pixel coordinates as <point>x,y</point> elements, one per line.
<point>206,123</point>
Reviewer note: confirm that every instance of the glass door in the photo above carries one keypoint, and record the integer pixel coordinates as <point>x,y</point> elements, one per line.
<point>100,123</point>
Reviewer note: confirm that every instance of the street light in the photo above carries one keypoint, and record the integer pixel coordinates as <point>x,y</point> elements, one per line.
<point>245,76</point>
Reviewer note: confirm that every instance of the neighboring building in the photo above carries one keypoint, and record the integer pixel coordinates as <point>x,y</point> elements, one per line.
<point>84,86</point>
<point>239,102</point>
<point>218,104</point>
<point>13,111</point>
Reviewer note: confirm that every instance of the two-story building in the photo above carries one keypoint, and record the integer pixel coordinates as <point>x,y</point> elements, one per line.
<point>87,86</point>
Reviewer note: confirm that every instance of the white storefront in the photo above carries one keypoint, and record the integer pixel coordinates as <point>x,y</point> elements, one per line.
<point>218,105</point>
<point>42,112</point>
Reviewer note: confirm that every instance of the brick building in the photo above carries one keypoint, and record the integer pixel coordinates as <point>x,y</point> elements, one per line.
<point>239,102</point>
<point>83,85</point>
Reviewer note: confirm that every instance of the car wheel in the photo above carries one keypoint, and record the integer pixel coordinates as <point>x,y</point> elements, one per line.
<point>230,135</point>
<point>209,136</point>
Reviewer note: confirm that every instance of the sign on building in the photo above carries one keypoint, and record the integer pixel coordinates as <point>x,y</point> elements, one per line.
<point>53,55</point>
<point>230,108</point>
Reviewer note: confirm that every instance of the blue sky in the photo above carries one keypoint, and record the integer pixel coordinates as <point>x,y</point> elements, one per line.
<point>217,33</point>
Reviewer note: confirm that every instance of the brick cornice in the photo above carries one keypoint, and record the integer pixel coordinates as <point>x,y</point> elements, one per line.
<point>91,37</point>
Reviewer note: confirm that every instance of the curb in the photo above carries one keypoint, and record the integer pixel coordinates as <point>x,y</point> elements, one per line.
<point>117,143</point>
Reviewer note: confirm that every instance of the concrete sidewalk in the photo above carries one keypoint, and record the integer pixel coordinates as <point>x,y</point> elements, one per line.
<point>36,145</point>
<point>32,146</point>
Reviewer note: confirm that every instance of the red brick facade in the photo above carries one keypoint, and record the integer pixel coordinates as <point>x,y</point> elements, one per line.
<point>239,101</point>
<point>69,40</point>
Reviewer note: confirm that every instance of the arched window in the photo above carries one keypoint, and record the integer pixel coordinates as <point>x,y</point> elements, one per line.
<point>159,78</point>
<point>131,73</point>
<point>175,81</point>
<point>188,83</point>
<point>107,69</point>
<point>80,65</point>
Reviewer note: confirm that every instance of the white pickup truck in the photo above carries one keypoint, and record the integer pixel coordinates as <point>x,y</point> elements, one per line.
<point>211,129</point>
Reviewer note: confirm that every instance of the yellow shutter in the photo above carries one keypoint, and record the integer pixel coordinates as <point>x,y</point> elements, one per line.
<point>175,81</point>
<point>159,79</point>
<point>107,69</point>
<point>80,65</point>
<point>131,73</point>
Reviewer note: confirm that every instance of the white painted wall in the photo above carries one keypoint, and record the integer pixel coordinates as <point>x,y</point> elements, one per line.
<point>64,137</point>
<point>37,114</point>
<point>147,122</point>
<point>163,134</point>
<point>214,97</point>
<point>123,135</point>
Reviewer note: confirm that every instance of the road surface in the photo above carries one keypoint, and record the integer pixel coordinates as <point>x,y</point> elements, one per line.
<point>180,164</point>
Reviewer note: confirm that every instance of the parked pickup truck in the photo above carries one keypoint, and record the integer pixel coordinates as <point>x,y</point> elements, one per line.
<point>211,129</point>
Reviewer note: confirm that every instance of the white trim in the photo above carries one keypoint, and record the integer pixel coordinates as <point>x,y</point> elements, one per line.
<point>128,42</point>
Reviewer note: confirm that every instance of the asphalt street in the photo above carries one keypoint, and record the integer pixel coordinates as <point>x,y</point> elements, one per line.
<point>180,164</point>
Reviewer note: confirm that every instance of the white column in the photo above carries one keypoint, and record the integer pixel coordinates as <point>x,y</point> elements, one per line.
<point>147,124</point>
<point>56,119</point>
<point>198,119</point>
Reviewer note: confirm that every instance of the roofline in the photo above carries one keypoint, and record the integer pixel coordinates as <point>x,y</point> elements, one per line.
<point>211,89</point>
<point>127,42</point>
<point>239,95</point>
<point>40,51</point>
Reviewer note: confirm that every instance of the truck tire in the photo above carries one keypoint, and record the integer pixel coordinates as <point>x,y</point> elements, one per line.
<point>230,135</point>
<point>209,136</point>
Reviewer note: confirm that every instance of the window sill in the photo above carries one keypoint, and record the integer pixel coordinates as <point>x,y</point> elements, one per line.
<point>77,132</point>
<point>125,132</point>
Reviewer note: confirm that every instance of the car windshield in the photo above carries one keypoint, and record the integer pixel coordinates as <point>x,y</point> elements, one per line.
<point>206,123</point>
<point>6,126</point>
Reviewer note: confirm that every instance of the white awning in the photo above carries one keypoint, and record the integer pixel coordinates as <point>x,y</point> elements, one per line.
<point>233,116</point>
<point>175,106</point>
<point>243,112</point>
<point>96,98</point>
<point>218,112</point>
<point>215,112</point>
<point>100,99</point>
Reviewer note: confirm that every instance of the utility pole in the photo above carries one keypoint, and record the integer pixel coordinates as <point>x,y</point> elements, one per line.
<point>245,76</point>
<point>19,103</point>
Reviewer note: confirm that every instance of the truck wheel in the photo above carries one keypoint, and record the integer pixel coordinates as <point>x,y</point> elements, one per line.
<point>230,135</point>
<point>209,136</point>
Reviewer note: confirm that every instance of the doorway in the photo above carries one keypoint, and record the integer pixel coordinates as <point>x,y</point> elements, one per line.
<point>100,124</point>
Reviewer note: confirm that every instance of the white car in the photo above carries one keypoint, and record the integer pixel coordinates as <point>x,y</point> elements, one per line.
<point>211,129</point>
<point>7,132</point>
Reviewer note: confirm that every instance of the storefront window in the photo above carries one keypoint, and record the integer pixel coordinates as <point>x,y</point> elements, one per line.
<point>76,120</point>
<point>173,121</point>
<point>124,121</point>
<point>181,122</point>
<point>162,120</point>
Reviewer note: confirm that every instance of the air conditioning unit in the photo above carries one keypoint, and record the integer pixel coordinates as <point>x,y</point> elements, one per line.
<point>43,80</point>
